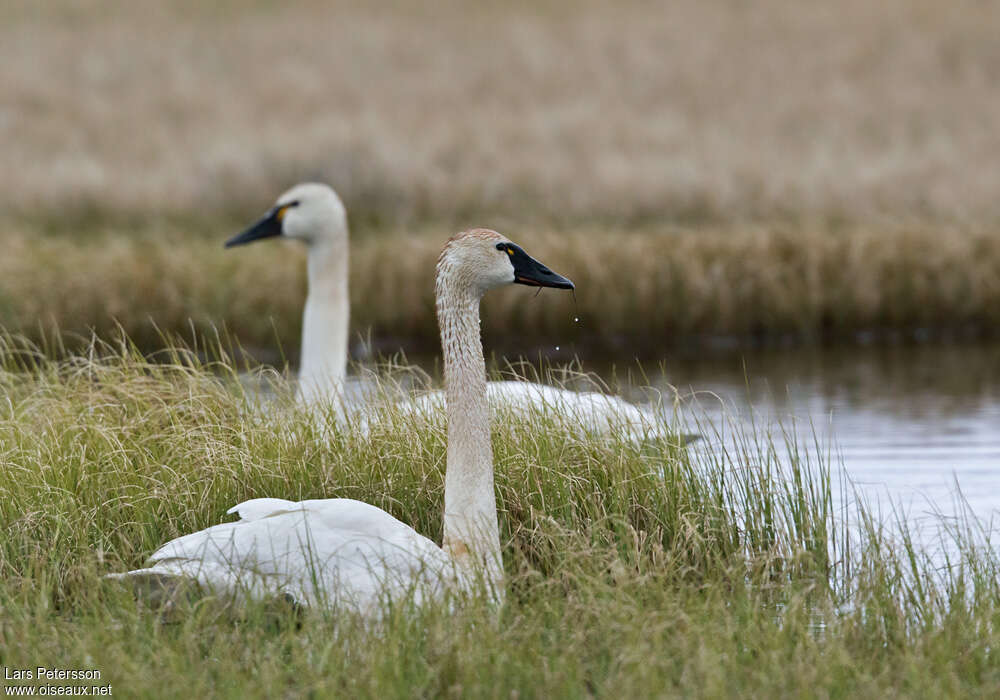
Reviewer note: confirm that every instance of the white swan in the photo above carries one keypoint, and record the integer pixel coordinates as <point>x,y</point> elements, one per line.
<point>344,552</point>
<point>314,214</point>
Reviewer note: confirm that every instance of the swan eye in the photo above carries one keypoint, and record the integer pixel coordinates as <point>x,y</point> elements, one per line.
<point>279,214</point>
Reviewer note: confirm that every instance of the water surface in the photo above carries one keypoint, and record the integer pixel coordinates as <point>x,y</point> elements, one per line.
<point>912,427</point>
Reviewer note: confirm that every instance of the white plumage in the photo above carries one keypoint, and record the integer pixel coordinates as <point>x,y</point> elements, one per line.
<point>331,552</point>
<point>580,412</point>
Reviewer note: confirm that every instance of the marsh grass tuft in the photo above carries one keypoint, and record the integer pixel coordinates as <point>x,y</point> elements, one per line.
<point>632,569</point>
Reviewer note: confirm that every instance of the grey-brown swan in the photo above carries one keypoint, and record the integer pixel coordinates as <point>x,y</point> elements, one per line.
<point>313,213</point>
<point>344,552</point>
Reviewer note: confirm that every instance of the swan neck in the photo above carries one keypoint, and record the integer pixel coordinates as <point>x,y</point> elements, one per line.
<point>471,532</point>
<point>325,322</point>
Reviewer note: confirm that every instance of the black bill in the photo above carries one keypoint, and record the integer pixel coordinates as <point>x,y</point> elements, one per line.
<point>529,271</point>
<point>268,227</point>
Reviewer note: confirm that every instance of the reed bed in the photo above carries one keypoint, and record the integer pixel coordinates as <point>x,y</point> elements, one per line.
<point>780,170</point>
<point>636,570</point>
<point>638,291</point>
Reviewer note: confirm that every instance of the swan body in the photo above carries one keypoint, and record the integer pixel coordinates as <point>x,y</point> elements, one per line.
<point>334,552</point>
<point>580,412</point>
<point>342,552</point>
<point>314,214</point>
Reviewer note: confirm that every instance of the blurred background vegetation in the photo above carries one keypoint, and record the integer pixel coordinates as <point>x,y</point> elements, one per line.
<point>758,171</point>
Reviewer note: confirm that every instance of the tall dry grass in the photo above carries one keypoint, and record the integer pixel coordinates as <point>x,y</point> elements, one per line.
<point>631,571</point>
<point>637,291</point>
<point>636,110</point>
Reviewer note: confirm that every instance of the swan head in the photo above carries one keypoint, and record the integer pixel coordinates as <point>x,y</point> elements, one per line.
<point>481,260</point>
<point>310,212</point>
